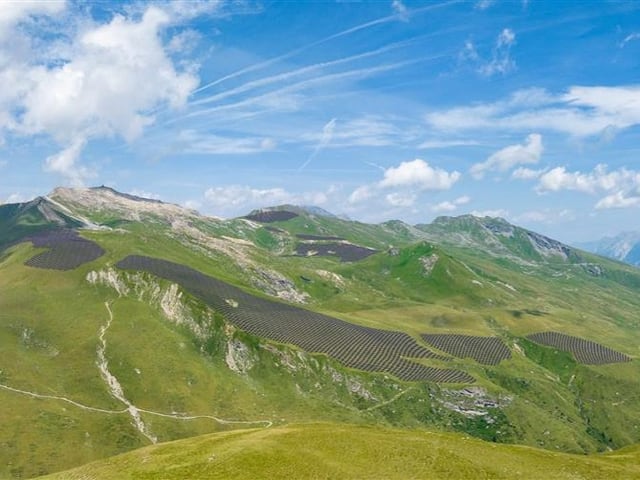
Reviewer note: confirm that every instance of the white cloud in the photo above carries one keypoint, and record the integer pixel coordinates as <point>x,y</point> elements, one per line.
<point>450,206</point>
<point>15,198</point>
<point>524,173</point>
<point>144,194</point>
<point>405,181</point>
<point>621,187</point>
<point>119,73</point>
<point>579,111</point>
<point>401,199</point>
<point>598,180</point>
<point>192,204</point>
<point>400,10</point>
<point>184,42</point>
<point>13,12</point>
<point>508,157</point>
<point>65,163</point>
<point>500,212</point>
<point>110,80</point>
<point>419,174</point>
<point>360,194</point>
<point>484,4</point>
<point>618,199</point>
<point>547,216</point>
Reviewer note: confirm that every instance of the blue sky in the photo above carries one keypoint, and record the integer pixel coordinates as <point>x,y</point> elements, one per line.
<point>529,110</point>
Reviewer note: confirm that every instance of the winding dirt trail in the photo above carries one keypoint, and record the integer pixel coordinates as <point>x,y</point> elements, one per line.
<point>62,399</point>
<point>391,400</point>
<point>116,390</point>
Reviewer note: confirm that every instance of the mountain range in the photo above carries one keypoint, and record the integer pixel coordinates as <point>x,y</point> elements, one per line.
<point>127,322</point>
<point>624,247</point>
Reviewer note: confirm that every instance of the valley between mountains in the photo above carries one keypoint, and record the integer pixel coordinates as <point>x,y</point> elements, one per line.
<point>127,322</point>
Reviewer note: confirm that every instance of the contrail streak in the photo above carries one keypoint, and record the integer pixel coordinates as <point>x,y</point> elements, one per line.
<point>300,71</point>
<point>327,135</point>
<point>296,51</point>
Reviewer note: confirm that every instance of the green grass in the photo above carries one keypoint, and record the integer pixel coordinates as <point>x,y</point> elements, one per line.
<point>323,451</point>
<point>49,323</point>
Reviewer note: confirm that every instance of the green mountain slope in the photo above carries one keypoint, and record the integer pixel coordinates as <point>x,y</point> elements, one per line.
<point>19,220</point>
<point>345,451</point>
<point>99,360</point>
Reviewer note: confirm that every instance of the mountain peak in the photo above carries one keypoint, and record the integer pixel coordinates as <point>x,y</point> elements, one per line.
<point>105,203</point>
<point>102,190</point>
<point>135,198</point>
<point>445,219</point>
<point>497,237</point>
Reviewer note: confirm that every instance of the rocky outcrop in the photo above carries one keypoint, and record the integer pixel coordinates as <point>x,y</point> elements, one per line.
<point>239,358</point>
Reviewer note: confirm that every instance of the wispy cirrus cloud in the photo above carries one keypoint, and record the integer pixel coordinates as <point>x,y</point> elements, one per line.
<point>308,72</point>
<point>433,144</point>
<point>546,216</point>
<point>579,111</point>
<point>400,10</point>
<point>277,98</point>
<point>500,61</point>
<point>343,33</point>
<point>629,38</point>
<point>483,4</point>
<point>204,143</point>
<point>325,139</point>
<point>367,131</point>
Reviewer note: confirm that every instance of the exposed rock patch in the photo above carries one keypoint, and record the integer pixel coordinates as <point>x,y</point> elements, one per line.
<point>334,278</point>
<point>238,357</point>
<point>428,263</point>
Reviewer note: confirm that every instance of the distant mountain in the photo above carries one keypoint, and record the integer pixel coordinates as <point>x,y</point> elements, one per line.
<point>624,247</point>
<point>498,238</point>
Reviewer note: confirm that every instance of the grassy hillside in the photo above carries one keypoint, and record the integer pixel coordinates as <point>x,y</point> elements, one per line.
<point>346,451</point>
<point>184,367</point>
